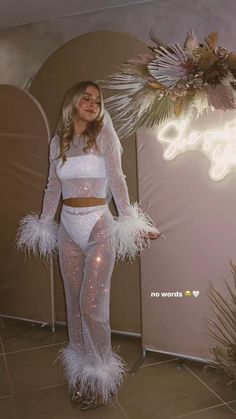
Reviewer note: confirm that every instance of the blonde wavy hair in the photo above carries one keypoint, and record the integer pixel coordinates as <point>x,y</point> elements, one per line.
<point>69,114</point>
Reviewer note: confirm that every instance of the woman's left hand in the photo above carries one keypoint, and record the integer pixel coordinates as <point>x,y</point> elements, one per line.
<point>154,236</point>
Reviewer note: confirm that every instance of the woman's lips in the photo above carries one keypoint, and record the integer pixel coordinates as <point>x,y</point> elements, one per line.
<point>91,110</point>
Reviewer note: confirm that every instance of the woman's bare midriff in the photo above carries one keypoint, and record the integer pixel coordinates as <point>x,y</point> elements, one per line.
<point>84,201</point>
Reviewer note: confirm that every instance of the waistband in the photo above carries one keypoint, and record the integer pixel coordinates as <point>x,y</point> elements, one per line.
<point>67,211</point>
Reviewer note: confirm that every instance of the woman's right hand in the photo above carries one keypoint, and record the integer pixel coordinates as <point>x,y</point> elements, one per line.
<point>154,236</point>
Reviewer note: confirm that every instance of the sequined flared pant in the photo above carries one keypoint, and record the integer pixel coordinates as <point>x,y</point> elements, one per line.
<point>87,262</point>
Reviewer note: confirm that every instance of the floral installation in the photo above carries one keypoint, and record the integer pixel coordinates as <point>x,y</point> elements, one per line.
<point>172,81</point>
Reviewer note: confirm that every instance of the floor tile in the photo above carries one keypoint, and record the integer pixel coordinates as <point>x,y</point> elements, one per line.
<point>54,403</point>
<point>129,348</point>
<point>214,378</point>
<point>1,346</point>
<point>220,412</point>
<point>4,382</point>
<point>155,357</point>
<point>8,409</point>
<point>233,404</point>
<point>18,335</point>
<point>163,391</point>
<point>34,369</point>
<point>162,388</point>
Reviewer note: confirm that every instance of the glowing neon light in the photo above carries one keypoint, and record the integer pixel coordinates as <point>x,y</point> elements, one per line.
<point>219,145</point>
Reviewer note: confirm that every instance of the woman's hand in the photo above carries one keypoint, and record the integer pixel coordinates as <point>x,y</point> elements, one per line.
<point>154,236</point>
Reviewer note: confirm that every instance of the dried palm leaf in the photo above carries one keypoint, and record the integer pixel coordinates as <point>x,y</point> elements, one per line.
<point>157,41</point>
<point>211,40</point>
<point>220,97</point>
<point>168,66</point>
<point>208,58</point>
<point>156,85</point>
<point>178,107</point>
<point>138,65</point>
<point>224,359</point>
<point>227,326</point>
<point>214,334</point>
<point>215,74</point>
<point>232,295</point>
<point>222,306</point>
<point>172,80</point>
<point>231,60</point>
<point>191,43</point>
<point>126,110</point>
<point>225,331</point>
<point>158,112</point>
<point>218,337</point>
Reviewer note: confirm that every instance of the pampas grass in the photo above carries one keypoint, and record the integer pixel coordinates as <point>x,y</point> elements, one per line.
<point>224,329</point>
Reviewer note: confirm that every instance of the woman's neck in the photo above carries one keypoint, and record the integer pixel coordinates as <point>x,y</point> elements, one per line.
<point>79,127</point>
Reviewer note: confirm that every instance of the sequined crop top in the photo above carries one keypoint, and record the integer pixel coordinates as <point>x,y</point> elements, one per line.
<point>90,173</point>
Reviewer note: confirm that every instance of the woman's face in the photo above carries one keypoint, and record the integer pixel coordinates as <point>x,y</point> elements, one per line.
<point>89,104</point>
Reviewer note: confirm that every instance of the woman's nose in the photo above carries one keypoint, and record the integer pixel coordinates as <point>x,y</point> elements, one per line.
<point>93,101</point>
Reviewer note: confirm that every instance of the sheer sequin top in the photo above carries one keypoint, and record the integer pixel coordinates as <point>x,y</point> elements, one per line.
<point>90,173</point>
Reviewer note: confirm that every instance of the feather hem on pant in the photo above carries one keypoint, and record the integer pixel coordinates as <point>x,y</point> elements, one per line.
<point>128,234</point>
<point>101,378</point>
<point>37,236</point>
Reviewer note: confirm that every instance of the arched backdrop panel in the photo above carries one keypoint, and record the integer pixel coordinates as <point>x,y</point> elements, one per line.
<point>93,56</point>
<point>197,215</point>
<point>25,289</point>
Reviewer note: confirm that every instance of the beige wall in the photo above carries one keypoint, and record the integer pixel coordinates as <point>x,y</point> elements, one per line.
<point>74,61</point>
<point>197,215</point>
<point>25,283</point>
<point>23,49</point>
<point>77,60</point>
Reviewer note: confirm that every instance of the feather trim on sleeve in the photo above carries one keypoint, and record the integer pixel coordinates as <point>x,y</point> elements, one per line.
<point>128,234</point>
<point>37,236</point>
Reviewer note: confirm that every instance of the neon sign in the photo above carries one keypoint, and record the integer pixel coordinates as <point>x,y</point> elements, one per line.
<point>218,144</point>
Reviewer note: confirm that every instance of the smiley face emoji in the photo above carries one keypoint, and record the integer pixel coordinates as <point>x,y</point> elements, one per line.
<point>187,293</point>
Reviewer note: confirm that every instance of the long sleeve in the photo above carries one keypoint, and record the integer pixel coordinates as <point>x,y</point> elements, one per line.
<point>115,175</point>
<point>38,234</point>
<point>52,192</point>
<point>129,232</point>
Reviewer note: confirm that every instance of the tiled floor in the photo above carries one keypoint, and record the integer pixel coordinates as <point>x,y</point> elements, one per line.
<point>164,387</point>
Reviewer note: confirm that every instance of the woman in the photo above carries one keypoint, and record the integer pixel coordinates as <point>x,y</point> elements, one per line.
<point>85,166</point>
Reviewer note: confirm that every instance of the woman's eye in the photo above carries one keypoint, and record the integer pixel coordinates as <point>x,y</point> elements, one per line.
<point>88,99</point>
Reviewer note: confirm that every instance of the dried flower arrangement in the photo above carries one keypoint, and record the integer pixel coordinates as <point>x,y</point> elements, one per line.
<point>171,81</point>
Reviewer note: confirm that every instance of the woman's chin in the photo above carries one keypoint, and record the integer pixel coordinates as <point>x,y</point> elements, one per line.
<point>89,118</point>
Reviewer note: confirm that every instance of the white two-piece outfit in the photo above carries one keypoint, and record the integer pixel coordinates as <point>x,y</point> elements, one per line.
<point>89,239</point>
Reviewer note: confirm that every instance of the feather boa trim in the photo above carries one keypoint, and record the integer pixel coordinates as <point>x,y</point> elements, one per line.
<point>101,377</point>
<point>128,234</point>
<point>37,236</point>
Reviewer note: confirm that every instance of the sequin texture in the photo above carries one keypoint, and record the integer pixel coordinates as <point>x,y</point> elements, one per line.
<point>87,256</point>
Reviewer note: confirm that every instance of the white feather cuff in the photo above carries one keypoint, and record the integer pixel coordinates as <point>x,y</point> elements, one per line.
<point>129,234</point>
<point>36,235</point>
